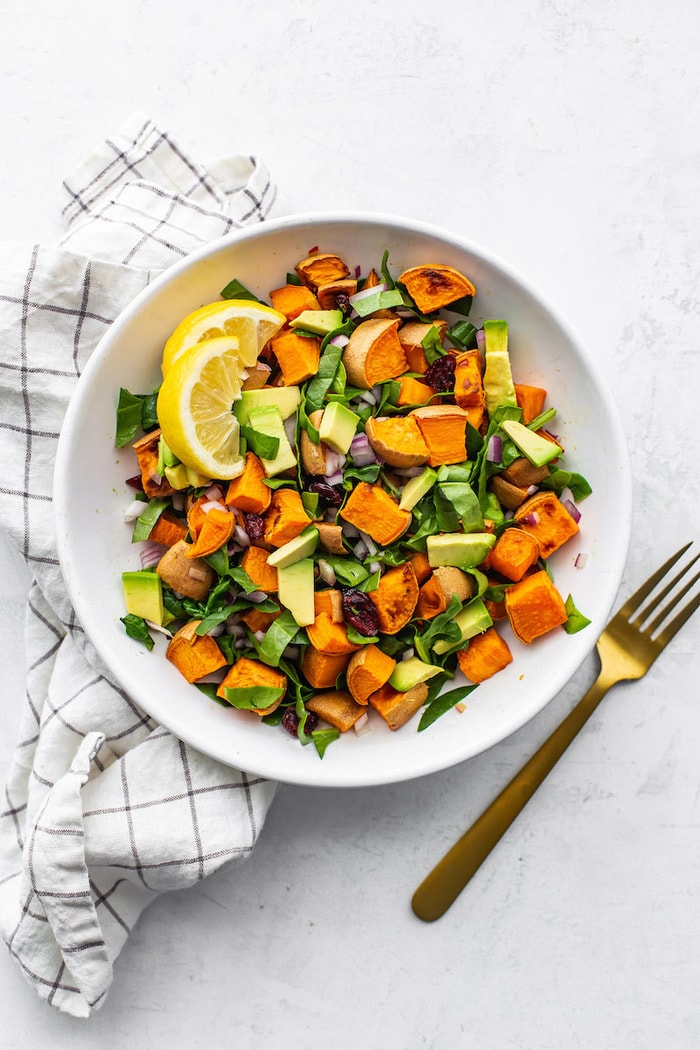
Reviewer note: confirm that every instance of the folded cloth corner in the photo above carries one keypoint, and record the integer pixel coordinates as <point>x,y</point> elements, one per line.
<point>103,809</point>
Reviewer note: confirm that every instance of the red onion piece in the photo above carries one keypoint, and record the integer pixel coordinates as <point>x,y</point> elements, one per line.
<point>214,677</point>
<point>361,451</point>
<point>530,519</point>
<point>326,572</point>
<point>196,574</point>
<point>494,449</point>
<point>290,429</point>
<point>339,340</point>
<point>369,543</point>
<point>368,397</point>
<point>332,461</point>
<point>572,509</point>
<point>241,535</point>
<point>150,554</point>
<point>531,490</point>
<point>362,725</point>
<point>214,493</point>
<point>359,550</point>
<point>580,561</point>
<point>134,510</point>
<point>335,478</point>
<point>480,338</point>
<point>256,596</point>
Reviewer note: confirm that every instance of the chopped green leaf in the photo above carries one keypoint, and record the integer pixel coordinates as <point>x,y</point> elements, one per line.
<point>147,519</point>
<point>322,738</point>
<point>262,445</point>
<point>235,290</point>
<point>576,620</point>
<point>137,628</point>
<point>129,411</point>
<point>442,703</point>
<point>277,637</point>
<point>253,698</point>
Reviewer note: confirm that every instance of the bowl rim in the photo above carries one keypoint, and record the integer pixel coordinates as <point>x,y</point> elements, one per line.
<point>619,451</point>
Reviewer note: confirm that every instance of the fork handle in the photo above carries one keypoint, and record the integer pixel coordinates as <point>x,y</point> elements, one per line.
<point>449,877</point>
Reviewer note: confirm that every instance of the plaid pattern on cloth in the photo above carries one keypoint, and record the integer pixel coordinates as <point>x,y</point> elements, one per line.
<point>103,809</point>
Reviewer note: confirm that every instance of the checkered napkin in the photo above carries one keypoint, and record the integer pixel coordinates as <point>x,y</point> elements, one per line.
<point>103,809</point>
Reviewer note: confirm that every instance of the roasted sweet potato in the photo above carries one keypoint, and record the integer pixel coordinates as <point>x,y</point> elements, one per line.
<point>322,670</point>
<point>421,566</point>
<point>411,337</point>
<point>168,530</point>
<point>329,601</point>
<point>247,674</point>
<point>530,399</point>
<point>292,299</point>
<point>321,268</point>
<point>285,517</point>
<point>485,655</point>
<point>337,708</point>
<point>193,577</point>
<point>515,552</point>
<point>369,668</point>
<point>195,656</point>
<point>330,537</point>
<point>329,637</point>
<point>297,356</point>
<point>257,377</point>
<point>398,708</point>
<point>433,286</point>
<point>375,512</point>
<point>248,491</point>
<point>523,473</point>
<point>413,392</point>
<point>254,562</point>
<point>509,496</point>
<point>546,518</point>
<point>257,620</point>
<point>431,599</point>
<point>146,449</point>
<point>214,532</point>
<point>534,606</point>
<point>374,353</point>
<point>397,440</point>
<point>327,294</point>
<point>313,455</point>
<point>444,429</point>
<point>395,598</point>
<point>469,386</point>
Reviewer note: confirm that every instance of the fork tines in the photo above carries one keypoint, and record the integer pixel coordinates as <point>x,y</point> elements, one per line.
<point>634,603</point>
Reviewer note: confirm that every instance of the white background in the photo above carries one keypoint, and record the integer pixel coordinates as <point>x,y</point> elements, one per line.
<point>563,137</point>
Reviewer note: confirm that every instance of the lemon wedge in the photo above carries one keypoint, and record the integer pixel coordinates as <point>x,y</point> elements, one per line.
<point>252,323</point>
<point>194,407</point>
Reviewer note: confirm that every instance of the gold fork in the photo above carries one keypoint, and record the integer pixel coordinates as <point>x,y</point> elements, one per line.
<point>627,648</point>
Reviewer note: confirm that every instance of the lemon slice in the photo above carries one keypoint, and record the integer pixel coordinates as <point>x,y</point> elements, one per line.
<point>194,407</point>
<point>250,322</point>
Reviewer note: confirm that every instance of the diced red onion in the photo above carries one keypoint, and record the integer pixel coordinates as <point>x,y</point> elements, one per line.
<point>572,509</point>
<point>375,566</point>
<point>155,477</point>
<point>530,519</point>
<point>258,635</point>
<point>336,478</point>
<point>218,629</point>
<point>241,535</point>
<point>291,652</point>
<point>358,271</point>
<point>241,643</point>
<point>312,251</point>
<point>212,504</point>
<point>408,654</point>
<point>381,287</point>
<point>368,397</point>
<point>159,628</point>
<point>508,515</point>
<point>362,725</point>
<point>359,550</point>
<point>494,449</point>
<point>234,548</point>
<point>480,338</point>
<point>256,596</point>
<point>134,510</point>
<point>369,543</point>
<point>349,530</point>
<point>531,490</point>
<point>214,493</point>
<point>326,572</point>
<point>178,499</point>
<point>361,451</point>
<point>150,554</point>
<point>332,461</point>
<point>196,574</point>
<point>580,560</point>
<point>234,627</point>
<point>339,340</point>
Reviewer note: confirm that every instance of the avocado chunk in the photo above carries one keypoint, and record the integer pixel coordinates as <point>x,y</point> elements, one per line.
<point>302,546</point>
<point>472,620</point>
<point>284,398</point>
<point>414,490</point>
<point>267,420</point>
<point>465,550</point>
<point>411,672</point>
<point>296,590</point>
<point>499,387</point>
<point>338,426</point>
<point>537,449</point>
<point>177,476</point>
<point>143,594</point>
<point>319,322</point>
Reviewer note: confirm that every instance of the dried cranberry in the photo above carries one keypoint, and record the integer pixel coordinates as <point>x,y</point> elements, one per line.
<point>136,482</point>
<point>342,302</point>
<point>326,493</point>
<point>359,612</point>
<point>255,527</point>
<point>290,721</point>
<point>441,374</point>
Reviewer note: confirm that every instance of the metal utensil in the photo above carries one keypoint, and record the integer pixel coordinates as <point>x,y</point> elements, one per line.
<point>627,648</point>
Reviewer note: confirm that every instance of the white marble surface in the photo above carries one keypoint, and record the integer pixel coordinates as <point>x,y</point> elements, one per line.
<point>565,138</point>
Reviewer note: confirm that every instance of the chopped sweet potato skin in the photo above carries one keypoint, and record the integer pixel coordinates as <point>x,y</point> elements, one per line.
<point>193,577</point>
<point>373,510</point>
<point>254,562</point>
<point>329,601</point>
<point>297,356</point>
<point>485,656</point>
<point>285,517</point>
<point>214,532</point>
<point>514,553</point>
<point>367,671</point>
<point>411,337</point>
<point>322,670</point>
<point>195,656</point>
<point>534,607</point>
<point>553,525</point>
<point>248,491</point>
<point>398,708</point>
<point>292,299</point>
<point>421,566</point>
<point>247,673</point>
<point>395,598</point>
<point>336,707</point>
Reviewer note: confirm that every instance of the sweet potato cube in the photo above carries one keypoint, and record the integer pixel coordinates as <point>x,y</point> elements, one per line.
<point>509,496</point>
<point>444,429</point>
<point>395,598</point>
<point>321,670</point>
<point>375,512</point>
<point>193,577</point>
<point>292,299</point>
<point>368,670</point>
<point>257,620</point>
<point>247,674</point>
<point>546,519</point>
<point>374,353</point>
<point>485,656</point>
<point>254,562</point>
<point>514,553</point>
<point>523,473</point>
<point>329,637</point>
<point>214,532</point>
<point>321,268</point>
<point>285,517</point>
<point>530,399</point>
<point>411,337</point>
<point>397,440</point>
<point>398,708</point>
<point>469,386</point>
<point>146,449</point>
<point>421,566</point>
<point>337,708</point>
<point>168,530</point>
<point>297,356</point>
<point>534,606</point>
<point>413,392</point>
<point>435,285</point>
<point>431,599</point>
<point>194,655</point>
<point>329,601</point>
<point>248,492</point>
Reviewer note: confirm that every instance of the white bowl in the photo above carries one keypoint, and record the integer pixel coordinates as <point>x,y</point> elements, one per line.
<point>95,545</point>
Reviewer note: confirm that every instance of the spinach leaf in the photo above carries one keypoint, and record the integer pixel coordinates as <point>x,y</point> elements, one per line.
<point>235,290</point>
<point>262,445</point>
<point>251,698</point>
<point>147,519</point>
<point>136,627</point>
<point>130,416</point>
<point>277,637</point>
<point>442,626</point>
<point>442,703</point>
<point>322,738</point>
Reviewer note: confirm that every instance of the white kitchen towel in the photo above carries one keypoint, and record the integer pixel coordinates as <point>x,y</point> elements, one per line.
<point>103,809</point>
